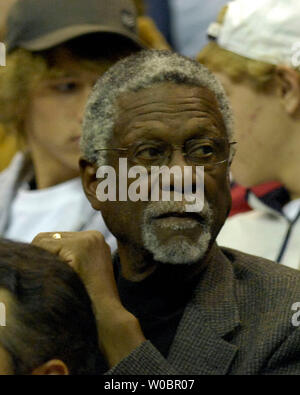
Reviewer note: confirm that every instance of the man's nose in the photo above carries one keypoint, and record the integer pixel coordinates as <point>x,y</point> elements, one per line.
<point>186,172</point>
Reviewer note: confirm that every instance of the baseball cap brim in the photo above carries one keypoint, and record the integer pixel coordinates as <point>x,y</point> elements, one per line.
<point>65,34</point>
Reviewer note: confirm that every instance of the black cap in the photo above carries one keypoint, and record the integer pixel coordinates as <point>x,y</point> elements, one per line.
<point>38,25</point>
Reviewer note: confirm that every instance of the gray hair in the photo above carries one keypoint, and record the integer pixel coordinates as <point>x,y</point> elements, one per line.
<point>135,73</point>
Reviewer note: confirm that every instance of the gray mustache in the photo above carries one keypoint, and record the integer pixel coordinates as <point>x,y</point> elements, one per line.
<point>158,209</point>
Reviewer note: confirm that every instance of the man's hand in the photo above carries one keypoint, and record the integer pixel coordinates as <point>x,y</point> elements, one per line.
<point>89,255</point>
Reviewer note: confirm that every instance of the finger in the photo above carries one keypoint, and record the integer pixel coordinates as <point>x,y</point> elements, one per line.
<point>49,235</point>
<point>58,248</point>
<point>49,244</point>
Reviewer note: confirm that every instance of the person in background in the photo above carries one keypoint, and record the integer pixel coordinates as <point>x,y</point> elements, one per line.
<point>268,192</point>
<point>258,68</point>
<point>49,326</point>
<point>54,56</point>
<point>10,143</point>
<point>10,140</point>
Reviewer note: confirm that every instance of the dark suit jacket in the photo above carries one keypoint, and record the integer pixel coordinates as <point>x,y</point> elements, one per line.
<point>238,322</point>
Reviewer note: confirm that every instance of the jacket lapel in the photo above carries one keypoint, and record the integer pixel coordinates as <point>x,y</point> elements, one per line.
<point>199,346</point>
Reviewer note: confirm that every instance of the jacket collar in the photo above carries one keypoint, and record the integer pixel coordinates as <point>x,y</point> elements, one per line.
<point>214,295</point>
<point>200,345</point>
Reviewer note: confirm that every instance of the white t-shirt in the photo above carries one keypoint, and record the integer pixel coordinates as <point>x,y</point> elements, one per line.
<point>63,207</point>
<point>265,233</point>
<point>292,209</point>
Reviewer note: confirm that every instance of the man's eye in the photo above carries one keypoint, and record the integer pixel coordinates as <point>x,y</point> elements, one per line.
<point>149,153</point>
<point>66,87</point>
<point>202,150</point>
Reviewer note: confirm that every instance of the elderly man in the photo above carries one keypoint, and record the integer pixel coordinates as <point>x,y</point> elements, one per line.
<point>174,302</point>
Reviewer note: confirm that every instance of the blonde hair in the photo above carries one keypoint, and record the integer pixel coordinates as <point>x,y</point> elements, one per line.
<point>23,71</point>
<point>148,31</point>
<point>237,67</point>
<point>140,7</point>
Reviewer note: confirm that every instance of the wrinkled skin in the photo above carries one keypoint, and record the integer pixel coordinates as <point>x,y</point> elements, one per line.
<point>173,113</point>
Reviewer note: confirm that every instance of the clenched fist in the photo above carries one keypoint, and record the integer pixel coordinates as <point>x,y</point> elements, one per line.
<point>88,254</point>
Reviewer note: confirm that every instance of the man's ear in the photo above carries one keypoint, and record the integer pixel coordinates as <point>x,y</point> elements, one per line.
<point>289,88</point>
<point>88,173</point>
<point>54,367</point>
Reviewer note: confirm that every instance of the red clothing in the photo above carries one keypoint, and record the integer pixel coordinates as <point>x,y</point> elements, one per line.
<point>239,196</point>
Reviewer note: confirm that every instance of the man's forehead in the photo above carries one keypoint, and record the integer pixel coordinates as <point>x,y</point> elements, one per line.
<point>169,93</point>
<point>167,101</point>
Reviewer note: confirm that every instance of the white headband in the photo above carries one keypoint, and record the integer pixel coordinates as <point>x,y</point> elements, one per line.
<point>265,30</point>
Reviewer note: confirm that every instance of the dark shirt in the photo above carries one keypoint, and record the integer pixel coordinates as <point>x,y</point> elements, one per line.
<point>158,302</point>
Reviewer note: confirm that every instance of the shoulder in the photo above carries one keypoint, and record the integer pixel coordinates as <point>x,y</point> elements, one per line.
<point>265,277</point>
<point>258,265</point>
<point>253,222</point>
<point>267,296</point>
<point>19,162</point>
<point>242,230</point>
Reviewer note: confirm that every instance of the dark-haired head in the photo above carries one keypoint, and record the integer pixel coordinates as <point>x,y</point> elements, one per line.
<point>48,314</point>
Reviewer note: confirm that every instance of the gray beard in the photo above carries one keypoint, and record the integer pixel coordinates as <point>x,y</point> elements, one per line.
<point>174,252</point>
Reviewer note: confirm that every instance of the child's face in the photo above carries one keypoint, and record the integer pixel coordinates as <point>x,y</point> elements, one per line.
<point>55,112</point>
